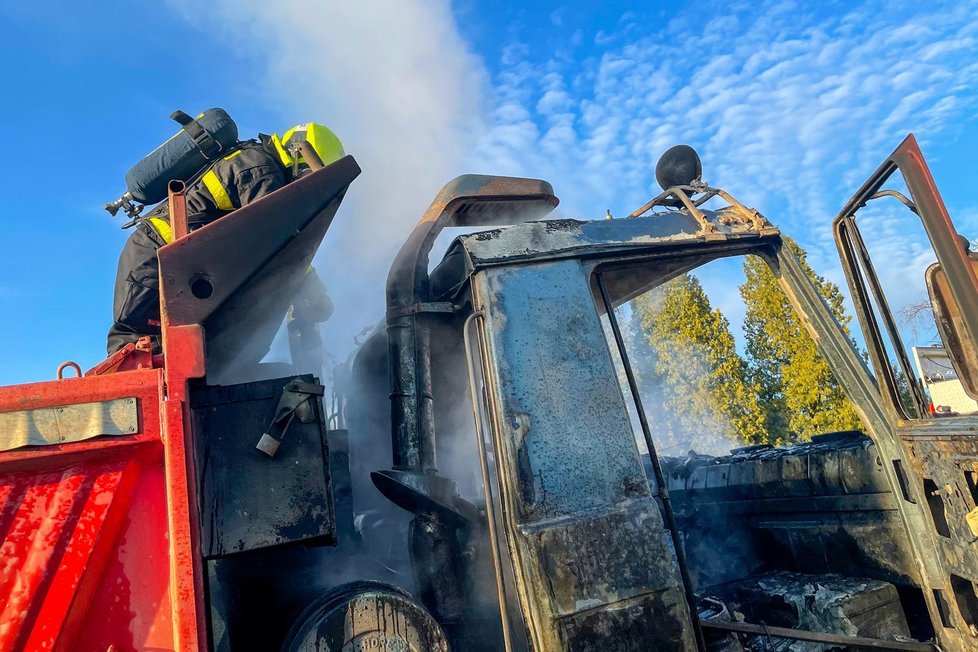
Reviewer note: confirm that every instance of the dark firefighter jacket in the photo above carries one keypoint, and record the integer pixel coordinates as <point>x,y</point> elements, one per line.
<point>243,176</point>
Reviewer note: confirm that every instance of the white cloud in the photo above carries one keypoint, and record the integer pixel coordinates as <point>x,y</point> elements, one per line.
<point>790,109</point>
<point>604,38</point>
<point>553,101</point>
<point>514,52</point>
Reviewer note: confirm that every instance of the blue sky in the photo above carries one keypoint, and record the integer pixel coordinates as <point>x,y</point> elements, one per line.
<point>791,105</point>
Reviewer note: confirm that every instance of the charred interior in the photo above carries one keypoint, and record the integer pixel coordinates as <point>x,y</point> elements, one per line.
<point>804,537</point>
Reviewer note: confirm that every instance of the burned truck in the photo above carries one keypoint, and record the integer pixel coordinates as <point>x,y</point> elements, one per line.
<point>486,475</point>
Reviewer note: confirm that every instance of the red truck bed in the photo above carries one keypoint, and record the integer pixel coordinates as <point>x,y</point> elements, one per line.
<point>98,535</point>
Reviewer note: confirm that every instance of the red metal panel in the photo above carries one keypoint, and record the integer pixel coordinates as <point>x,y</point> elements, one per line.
<point>41,509</point>
<point>61,529</point>
<point>69,391</point>
<point>144,385</point>
<point>131,609</point>
<point>88,544</point>
<point>177,200</point>
<point>81,525</point>
<point>183,348</point>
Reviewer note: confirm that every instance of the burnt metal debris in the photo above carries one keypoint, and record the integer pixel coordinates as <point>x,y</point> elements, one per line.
<point>823,513</point>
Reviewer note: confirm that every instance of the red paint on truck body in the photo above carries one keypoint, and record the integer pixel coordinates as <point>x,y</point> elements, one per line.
<point>96,536</point>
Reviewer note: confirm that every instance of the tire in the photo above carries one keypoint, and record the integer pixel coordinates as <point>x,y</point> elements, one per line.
<point>365,616</point>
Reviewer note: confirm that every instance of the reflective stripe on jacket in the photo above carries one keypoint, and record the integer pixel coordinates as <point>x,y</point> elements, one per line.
<point>162,227</point>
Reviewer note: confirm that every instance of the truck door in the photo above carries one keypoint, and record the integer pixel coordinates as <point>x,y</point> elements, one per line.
<point>938,435</point>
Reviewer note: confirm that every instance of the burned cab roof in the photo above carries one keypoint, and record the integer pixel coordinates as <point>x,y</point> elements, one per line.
<point>562,238</point>
<point>558,238</point>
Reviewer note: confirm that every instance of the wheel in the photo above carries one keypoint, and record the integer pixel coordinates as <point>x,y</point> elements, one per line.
<point>365,617</point>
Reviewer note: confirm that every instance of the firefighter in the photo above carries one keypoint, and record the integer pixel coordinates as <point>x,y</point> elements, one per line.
<point>253,170</point>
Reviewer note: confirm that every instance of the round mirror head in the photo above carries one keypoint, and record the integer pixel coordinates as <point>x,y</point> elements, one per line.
<point>679,166</point>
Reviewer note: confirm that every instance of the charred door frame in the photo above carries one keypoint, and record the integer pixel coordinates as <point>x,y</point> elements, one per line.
<point>924,455</point>
<point>864,283</point>
<point>804,298</point>
<point>851,371</point>
<point>538,541</point>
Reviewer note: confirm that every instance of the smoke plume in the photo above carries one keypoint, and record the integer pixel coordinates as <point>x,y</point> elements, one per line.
<point>398,85</point>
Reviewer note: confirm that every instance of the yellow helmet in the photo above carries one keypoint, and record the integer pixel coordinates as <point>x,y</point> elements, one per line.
<point>324,141</point>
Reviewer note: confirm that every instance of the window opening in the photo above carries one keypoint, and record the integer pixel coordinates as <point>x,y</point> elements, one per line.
<point>902,380</point>
<point>723,364</point>
<point>971,478</point>
<point>967,599</point>
<point>936,504</point>
<point>902,479</point>
<point>795,432</point>
<point>943,609</point>
<point>888,252</point>
<point>663,493</point>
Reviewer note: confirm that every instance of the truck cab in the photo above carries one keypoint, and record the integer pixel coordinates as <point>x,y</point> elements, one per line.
<point>600,542</point>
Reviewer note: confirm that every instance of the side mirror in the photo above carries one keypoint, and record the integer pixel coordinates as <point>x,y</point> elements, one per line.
<point>960,348</point>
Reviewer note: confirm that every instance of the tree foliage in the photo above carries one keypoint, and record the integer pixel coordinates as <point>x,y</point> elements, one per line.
<point>697,389</point>
<point>694,384</point>
<point>799,394</point>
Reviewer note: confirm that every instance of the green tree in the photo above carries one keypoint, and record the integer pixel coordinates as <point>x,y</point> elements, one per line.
<point>798,392</point>
<point>693,381</point>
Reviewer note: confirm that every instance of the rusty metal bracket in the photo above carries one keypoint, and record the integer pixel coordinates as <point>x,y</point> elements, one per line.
<point>421,307</point>
<point>292,404</point>
<point>750,215</point>
<point>685,196</point>
<point>667,197</point>
<point>134,355</point>
<point>705,225</point>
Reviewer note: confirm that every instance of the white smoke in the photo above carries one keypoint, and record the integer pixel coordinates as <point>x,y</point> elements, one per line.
<point>398,85</point>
